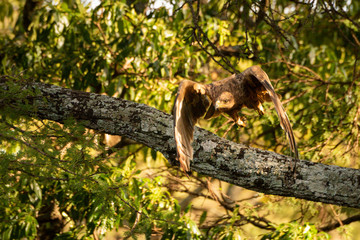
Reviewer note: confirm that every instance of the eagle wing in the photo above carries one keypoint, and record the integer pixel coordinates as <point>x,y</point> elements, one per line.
<point>256,73</point>
<point>191,103</point>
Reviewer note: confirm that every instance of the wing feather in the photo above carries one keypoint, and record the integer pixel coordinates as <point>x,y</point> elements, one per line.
<point>189,106</point>
<point>263,78</point>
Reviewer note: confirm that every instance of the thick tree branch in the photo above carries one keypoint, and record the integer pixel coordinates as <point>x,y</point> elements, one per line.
<point>244,166</point>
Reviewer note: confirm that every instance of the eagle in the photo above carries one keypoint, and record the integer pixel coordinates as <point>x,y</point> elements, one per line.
<point>248,89</point>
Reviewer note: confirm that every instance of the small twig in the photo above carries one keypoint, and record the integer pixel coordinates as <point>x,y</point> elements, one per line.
<point>97,24</point>
<point>176,10</point>
<point>95,235</point>
<point>137,220</point>
<point>224,135</point>
<point>336,216</point>
<point>335,225</point>
<point>225,123</point>
<point>195,19</point>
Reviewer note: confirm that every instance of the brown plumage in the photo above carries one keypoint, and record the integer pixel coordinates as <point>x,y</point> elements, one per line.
<point>194,100</point>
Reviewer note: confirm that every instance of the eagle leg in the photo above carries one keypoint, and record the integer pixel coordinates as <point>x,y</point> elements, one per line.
<point>260,109</point>
<point>239,120</point>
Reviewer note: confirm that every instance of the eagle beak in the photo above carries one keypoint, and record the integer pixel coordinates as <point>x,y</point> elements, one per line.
<point>217,105</point>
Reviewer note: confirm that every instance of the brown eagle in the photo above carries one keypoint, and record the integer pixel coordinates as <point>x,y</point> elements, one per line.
<point>194,100</point>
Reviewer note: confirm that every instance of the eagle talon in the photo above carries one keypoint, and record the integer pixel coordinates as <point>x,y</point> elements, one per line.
<point>260,109</point>
<point>199,89</point>
<point>241,122</point>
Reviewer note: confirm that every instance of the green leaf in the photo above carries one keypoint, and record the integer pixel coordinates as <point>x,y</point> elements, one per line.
<point>6,235</point>
<point>36,188</point>
<point>203,217</point>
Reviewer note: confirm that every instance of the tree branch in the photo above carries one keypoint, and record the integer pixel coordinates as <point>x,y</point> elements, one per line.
<point>244,166</point>
<point>195,19</point>
<point>335,225</point>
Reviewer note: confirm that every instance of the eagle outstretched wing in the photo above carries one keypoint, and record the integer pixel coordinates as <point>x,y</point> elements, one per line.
<point>191,103</point>
<point>255,73</point>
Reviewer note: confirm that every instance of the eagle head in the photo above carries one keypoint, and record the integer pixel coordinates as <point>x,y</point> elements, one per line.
<point>225,101</point>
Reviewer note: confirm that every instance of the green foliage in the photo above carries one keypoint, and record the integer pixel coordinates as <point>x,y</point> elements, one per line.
<point>130,50</point>
<point>92,193</point>
<point>294,230</point>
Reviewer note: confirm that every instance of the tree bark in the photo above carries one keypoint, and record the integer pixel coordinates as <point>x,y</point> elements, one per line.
<point>241,165</point>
